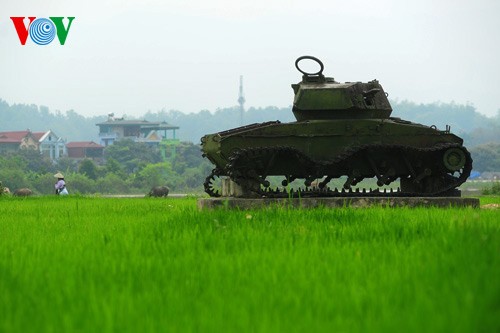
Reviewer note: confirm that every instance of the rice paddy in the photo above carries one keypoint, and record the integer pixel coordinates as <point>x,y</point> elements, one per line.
<point>83,264</point>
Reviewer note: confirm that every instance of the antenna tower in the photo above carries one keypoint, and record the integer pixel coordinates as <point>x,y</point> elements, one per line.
<point>241,100</point>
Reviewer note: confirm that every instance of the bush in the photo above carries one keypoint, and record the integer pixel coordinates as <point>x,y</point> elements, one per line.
<point>494,189</point>
<point>44,184</point>
<point>192,178</point>
<point>112,184</point>
<point>155,175</point>
<point>88,168</point>
<point>77,183</point>
<point>14,179</point>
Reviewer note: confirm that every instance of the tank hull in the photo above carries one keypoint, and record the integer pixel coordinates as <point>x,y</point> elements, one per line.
<point>322,140</point>
<point>387,149</point>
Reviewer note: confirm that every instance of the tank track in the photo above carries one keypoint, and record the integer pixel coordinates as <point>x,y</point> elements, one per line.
<point>242,169</point>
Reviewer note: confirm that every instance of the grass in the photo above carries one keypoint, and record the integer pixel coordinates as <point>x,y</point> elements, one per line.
<point>81,264</point>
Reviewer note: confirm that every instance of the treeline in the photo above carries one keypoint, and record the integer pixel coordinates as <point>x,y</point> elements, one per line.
<point>481,134</point>
<point>474,127</point>
<point>464,120</point>
<point>69,125</point>
<point>129,167</point>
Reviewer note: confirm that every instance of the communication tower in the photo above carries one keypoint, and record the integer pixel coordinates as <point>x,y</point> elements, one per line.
<point>241,100</point>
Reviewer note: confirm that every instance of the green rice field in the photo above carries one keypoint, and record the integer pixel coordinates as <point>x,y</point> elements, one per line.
<point>89,264</point>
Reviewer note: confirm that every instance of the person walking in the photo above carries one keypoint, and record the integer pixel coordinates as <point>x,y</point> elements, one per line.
<point>60,185</point>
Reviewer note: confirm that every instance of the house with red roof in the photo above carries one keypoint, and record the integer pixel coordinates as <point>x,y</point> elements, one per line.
<point>12,141</point>
<point>48,143</point>
<point>84,149</point>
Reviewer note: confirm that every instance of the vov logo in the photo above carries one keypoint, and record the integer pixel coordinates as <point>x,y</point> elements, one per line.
<point>42,31</point>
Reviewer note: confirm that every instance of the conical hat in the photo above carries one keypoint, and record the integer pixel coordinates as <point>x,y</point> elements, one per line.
<point>59,175</point>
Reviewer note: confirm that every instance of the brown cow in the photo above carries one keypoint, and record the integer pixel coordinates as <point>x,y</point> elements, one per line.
<point>23,192</point>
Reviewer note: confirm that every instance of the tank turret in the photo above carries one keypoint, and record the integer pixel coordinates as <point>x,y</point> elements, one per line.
<point>319,97</point>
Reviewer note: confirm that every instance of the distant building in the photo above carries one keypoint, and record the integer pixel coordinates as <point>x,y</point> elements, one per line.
<point>137,130</point>
<point>48,143</point>
<point>12,141</point>
<point>85,149</point>
<point>159,134</point>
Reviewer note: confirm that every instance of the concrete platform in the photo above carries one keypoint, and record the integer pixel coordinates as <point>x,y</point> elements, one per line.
<point>355,202</point>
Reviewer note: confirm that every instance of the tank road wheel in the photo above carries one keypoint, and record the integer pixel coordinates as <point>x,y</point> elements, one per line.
<point>209,183</point>
<point>454,159</point>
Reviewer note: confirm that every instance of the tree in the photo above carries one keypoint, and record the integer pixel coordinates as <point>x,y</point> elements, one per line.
<point>157,174</point>
<point>88,168</point>
<point>112,166</point>
<point>67,165</point>
<point>188,156</point>
<point>192,178</point>
<point>112,183</point>
<point>13,179</point>
<point>31,160</point>
<point>79,183</point>
<point>44,183</point>
<point>486,157</point>
<point>133,156</point>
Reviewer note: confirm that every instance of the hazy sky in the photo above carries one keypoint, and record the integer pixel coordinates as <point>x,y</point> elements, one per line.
<point>129,57</point>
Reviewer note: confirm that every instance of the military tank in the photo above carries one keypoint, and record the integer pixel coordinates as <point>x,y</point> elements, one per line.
<point>343,131</point>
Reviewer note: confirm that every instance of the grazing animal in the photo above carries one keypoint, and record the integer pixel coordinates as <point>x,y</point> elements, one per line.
<point>159,191</point>
<point>23,192</point>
